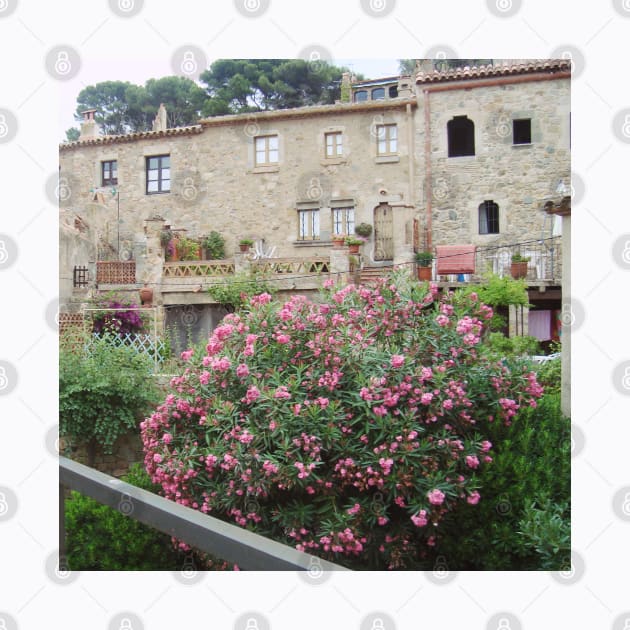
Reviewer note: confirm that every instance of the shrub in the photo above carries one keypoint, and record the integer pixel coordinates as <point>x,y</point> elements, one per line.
<point>103,393</point>
<point>500,345</point>
<point>214,245</point>
<point>348,428</point>
<point>100,538</point>
<point>126,317</point>
<point>233,293</point>
<point>187,249</point>
<point>531,464</point>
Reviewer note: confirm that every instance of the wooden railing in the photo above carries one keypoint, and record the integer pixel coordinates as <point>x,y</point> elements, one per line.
<point>189,269</point>
<point>312,265</point>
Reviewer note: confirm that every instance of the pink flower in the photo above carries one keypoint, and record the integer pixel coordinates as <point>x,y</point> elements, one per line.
<point>425,399</point>
<point>282,338</point>
<point>157,458</point>
<point>282,392</point>
<point>187,355</point>
<point>397,360</point>
<point>420,519</point>
<point>436,497</point>
<point>167,438</point>
<point>472,461</point>
<point>474,497</point>
<point>204,377</point>
<point>253,393</point>
<point>442,320</point>
<point>242,370</point>
<point>355,509</point>
<point>486,446</point>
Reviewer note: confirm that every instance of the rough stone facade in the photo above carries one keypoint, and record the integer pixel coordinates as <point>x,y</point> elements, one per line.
<point>216,185</point>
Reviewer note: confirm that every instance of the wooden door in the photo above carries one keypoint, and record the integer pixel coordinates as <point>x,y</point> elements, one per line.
<point>383,232</point>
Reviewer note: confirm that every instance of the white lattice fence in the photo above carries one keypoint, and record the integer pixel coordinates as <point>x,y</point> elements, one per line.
<point>142,344</point>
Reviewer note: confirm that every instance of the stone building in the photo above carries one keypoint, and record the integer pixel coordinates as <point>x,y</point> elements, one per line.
<point>465,157</point>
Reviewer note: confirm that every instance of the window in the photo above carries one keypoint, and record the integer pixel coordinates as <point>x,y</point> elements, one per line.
<point>360,96</point>
<point>522,131</point>
<point>343,220</point>
<point>378,94</point>
<point>393,91</point>
<point>488,218</point>
<point>266,148</point>
<point>387,139</point>
<point>158,174</point>
<point>334,146</point>
<point>461,136</point>
<point>308,224</point>
<point>109,173</point>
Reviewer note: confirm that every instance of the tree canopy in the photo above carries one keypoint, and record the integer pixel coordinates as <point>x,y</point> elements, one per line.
<point>229,86</point>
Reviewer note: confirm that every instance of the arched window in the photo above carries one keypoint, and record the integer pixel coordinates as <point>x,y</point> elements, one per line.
<point>461,136</point>
<point>378,94</point>
<point>360,95</point>
<point>393,91</point>
<point>488,217</point>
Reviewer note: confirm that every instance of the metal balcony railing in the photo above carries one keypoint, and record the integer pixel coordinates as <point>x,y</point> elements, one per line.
<point>248,550</point>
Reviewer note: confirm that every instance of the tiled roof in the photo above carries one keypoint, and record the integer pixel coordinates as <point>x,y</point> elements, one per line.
<point>483,72</point>
<point>130,137</point>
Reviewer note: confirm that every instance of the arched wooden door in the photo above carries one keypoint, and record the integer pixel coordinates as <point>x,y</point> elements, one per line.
<point>383,232</point>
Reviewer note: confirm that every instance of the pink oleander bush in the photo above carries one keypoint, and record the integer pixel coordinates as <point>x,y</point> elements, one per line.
<point>346,428</point>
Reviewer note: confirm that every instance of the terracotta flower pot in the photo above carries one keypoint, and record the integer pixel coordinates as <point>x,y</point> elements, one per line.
<point>518,270</point>
<point>424,273</point>
<point>337,242</point>
<point>353,249</point>
<point>244,248</point>
<point>146,296</point>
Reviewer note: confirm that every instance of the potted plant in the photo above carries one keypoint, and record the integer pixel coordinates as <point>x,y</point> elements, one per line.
<point>245,243</point>
<point>338,240</point>
<point>187,249</point>
<point>518,269</point>
<point>423,262</point>
<point>214,246</point>
<point>166,235</point>
<point>363,229</point>
<point>353,243</point>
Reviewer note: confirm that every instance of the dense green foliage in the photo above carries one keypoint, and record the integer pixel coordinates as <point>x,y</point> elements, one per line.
<point>214,244</point>
<point>100,538</point>
<point>500,345</point>
<point>531,467</point>
<point>104,392</point>
<point>233,293</point>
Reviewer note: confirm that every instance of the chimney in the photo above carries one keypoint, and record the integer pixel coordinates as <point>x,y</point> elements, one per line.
<point>346,91</point>
<point>160,124</point>
<point>89,126</point>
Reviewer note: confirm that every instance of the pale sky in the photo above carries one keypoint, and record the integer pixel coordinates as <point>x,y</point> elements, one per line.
<point>140,69</point>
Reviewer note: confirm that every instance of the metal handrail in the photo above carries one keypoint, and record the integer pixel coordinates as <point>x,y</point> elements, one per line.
<point>248,550</point>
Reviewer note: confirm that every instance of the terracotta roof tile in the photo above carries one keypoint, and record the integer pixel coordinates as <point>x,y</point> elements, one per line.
<point>130,137</point>
<point>482,72</point>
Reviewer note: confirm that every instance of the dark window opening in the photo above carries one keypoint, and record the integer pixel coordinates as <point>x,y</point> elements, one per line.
<point>393,91</point>
<point>109,173</point>
<point>378,94</point>
<point>80,277</point>
<point>522,131</point>
<point>360,96</point>
<point>488,218</point>
<point>158,174</point>
<point>461,136</point>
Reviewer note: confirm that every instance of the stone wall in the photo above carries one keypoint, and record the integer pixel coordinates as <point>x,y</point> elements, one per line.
<point>519,178</point>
